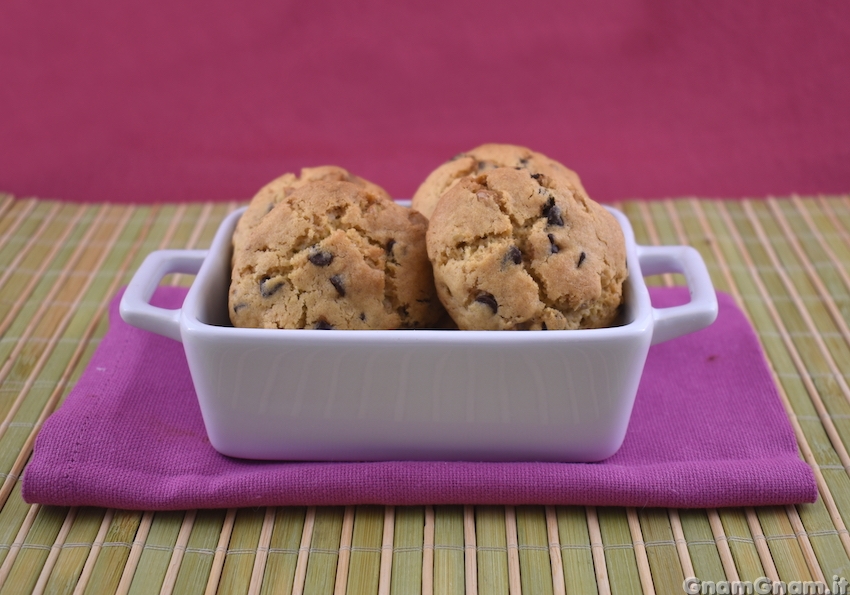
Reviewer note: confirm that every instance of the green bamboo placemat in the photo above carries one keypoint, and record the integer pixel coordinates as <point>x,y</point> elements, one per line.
<point>786,261</point>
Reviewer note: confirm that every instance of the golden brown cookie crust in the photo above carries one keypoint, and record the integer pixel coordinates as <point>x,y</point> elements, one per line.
<point>516,250</point>
<point>483,158</point>
<point>275,191</point>
<point>334,254</point>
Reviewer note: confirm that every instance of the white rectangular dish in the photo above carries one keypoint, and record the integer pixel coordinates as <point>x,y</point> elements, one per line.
<point>415,394</point>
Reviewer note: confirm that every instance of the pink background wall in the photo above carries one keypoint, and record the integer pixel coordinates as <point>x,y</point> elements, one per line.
<point>208,100</point>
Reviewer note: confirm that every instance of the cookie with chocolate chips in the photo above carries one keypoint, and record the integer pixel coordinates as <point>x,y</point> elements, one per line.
<point>514,249</point>
<point>275,191</point>
<point>481,159</point>
<point>334,255</point>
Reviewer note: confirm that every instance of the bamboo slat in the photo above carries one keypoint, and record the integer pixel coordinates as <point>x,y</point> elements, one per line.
<point>23,533</point>
<point>261,558</point>
<point>470,551</point>
<point>514,583</point>
<point>364,570</point>
<point>448,550</point>
<point>786,261</point>
<point>408,553</point>
<point>279,574</point>
<point>344,560</point>
<point>428,551</point>
<point>241,550</point>
<point>492,556</point>
<point>555,559</point>
<point>154,553</point>
<point>387,550</point>
<point>198,564</point>
<point>324,551</point>
<point>661,552</point>
<point>619,551</point>
<point>577,558</point>
<point>535,568</point>
<point>705,559</point>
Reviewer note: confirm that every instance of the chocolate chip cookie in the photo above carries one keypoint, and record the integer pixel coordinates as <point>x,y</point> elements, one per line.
<point>513,249</point>
<point>276,190</point>
<point>334,255</point>
<point>486,157</point>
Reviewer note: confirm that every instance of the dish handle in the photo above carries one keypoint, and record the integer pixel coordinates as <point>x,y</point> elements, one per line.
<point>135,306</point>
<point>701,311</point>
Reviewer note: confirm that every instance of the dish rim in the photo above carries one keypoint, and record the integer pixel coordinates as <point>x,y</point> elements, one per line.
<point>194,315</point>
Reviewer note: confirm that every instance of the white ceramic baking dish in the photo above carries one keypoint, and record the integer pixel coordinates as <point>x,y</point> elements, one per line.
<point>414,394</point>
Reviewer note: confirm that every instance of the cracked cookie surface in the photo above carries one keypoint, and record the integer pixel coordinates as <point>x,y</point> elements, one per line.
<point>334,255</point>
<point>513,250</point>
<point>483,158</point>
<point>275,191</point>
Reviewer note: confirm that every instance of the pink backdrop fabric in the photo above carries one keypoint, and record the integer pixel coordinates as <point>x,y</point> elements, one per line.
<point>183,101</point>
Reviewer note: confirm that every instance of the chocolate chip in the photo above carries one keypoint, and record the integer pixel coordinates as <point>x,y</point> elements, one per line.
<point>269,288</point>
<point>323,325</point>
<point>488,300</point>
<point>552,212</point>
<point>363,316</point>
<point>553,247</point>
<point>543,326</point>
<point>389,246</point>
<point>581,258</point>
<point>542,180</point>
<point>513,255</point>
<point>321,258</point>
<point>336,281</point>
<point>240,306</point>
<point>523,162</point>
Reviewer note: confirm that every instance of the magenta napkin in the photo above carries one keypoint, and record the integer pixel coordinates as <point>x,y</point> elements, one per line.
<point>708,430</point>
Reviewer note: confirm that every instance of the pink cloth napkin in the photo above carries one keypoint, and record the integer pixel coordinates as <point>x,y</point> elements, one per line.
<point>708,430</point>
